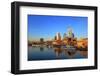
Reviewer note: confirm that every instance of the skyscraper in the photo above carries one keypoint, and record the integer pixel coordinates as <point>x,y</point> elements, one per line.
<point>70,33</point>
<point>58,36</point>
<point>64,36</point>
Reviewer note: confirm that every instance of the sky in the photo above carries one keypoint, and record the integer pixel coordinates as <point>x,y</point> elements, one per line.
<point>46,26</point>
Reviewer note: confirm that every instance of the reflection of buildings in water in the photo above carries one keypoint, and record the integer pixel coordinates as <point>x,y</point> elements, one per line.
<point>41,48</point>
<point>70,53</point>
<point>58,51</point>
<point>84,53</point>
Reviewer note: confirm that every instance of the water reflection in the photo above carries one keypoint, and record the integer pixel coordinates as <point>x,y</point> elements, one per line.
<point>70,53</point>
<point>58,51</point>
<point>51,53</point>
<point>41,49</point>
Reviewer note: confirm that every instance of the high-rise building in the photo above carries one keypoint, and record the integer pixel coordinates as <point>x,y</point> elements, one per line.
<point>58,36</point>
<point>55,38</point>
<point>70,33</point>
<point>64,36</point>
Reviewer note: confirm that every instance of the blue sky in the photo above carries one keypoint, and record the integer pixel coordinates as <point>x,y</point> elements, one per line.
<point>46,26</point>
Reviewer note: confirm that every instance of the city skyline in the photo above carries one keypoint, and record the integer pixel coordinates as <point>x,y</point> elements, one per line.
<point>45,26</point>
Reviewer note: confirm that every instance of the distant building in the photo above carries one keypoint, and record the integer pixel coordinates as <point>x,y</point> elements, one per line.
<point>55,38</point>
<point>64,36</point>
<point>58,36</point>
<point>41,40</point>
<point>70,33</point>
<point>68,38</point>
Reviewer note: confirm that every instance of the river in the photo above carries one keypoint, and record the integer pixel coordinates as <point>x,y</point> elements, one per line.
<point>45,53</point>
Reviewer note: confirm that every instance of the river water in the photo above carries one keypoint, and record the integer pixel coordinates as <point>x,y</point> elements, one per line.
<point>45,53</point>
